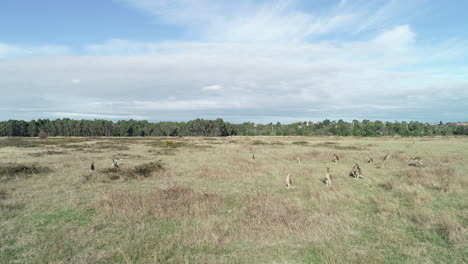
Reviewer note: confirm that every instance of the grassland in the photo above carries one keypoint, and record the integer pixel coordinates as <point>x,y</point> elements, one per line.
<point>206,200</point>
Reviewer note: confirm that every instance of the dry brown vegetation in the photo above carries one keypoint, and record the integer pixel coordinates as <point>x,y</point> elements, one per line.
<point>206,200</point>
<point>173,202</point>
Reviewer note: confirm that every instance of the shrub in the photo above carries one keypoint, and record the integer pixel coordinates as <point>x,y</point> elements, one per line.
<point>14,169</point>
<point>259,142</point>
<point>169,144</point>
<point>147,169</point>
<point>143,170</point>
<point>300,143</point>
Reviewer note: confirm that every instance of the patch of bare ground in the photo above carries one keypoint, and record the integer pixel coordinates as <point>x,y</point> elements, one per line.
<point>173,202</point>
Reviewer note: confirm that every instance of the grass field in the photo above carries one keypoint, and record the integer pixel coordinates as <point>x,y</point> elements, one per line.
<point>206,200</point>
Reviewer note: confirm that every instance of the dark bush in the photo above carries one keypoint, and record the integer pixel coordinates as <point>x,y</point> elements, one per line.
<point>147,169</point>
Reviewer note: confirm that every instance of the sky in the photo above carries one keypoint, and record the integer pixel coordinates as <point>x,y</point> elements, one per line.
<point>245,60</point>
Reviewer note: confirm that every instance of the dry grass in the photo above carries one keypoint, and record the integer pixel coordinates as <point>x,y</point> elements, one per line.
<point>173,202</point>
<point>453,231</point>
<point>205,200</point>
<point>263,212</point>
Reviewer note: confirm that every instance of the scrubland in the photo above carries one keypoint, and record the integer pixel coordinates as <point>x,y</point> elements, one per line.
<point>206,200</point>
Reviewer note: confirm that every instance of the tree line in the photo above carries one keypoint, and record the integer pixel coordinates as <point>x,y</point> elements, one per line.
<point>201,127</point>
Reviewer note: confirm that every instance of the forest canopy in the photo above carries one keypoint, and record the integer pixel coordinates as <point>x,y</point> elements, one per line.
<point>201,127</point>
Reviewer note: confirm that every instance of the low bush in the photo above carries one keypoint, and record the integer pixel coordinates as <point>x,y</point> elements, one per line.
<point>10,170</point>
<point>143,170</point>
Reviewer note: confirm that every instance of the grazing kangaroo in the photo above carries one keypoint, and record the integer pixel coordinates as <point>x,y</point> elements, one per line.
<point>416,162</point>
<point>356,172</point>
<point>114,164</point>
<point>335,159</point>
<point>387,157</point>
<point>371,160</point>
<point>327,180</point>
<point>288,181</point>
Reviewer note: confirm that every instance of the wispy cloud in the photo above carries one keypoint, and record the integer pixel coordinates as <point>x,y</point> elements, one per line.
<point>19,51</point>
<point>280,21</point>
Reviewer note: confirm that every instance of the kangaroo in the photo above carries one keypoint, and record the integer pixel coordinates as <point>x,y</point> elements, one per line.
<point>288,181</point>
<point>335,159</point>
<point>114,164</point>
<point>416,162</point>
<point>328,178</point>
<point>387,157</point>
<point>356,172</point>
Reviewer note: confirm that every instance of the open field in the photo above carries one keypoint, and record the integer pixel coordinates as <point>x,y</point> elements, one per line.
<point>206,200</point>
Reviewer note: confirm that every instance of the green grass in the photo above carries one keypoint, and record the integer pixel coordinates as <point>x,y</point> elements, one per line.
<point>205,200</point>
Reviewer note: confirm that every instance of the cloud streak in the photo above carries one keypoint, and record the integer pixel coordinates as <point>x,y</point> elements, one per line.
<point>8,51</point>
<point>279,21</point>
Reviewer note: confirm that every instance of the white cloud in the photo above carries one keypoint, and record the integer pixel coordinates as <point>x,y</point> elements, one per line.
<point>252,60</point>
<point>16,51</point>
<point>354,79</point>
<point>399,38</point>
<point>213,88</point>
<point>279,21</point>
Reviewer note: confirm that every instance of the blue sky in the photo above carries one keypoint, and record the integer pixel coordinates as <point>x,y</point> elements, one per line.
<point>246,60</point>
